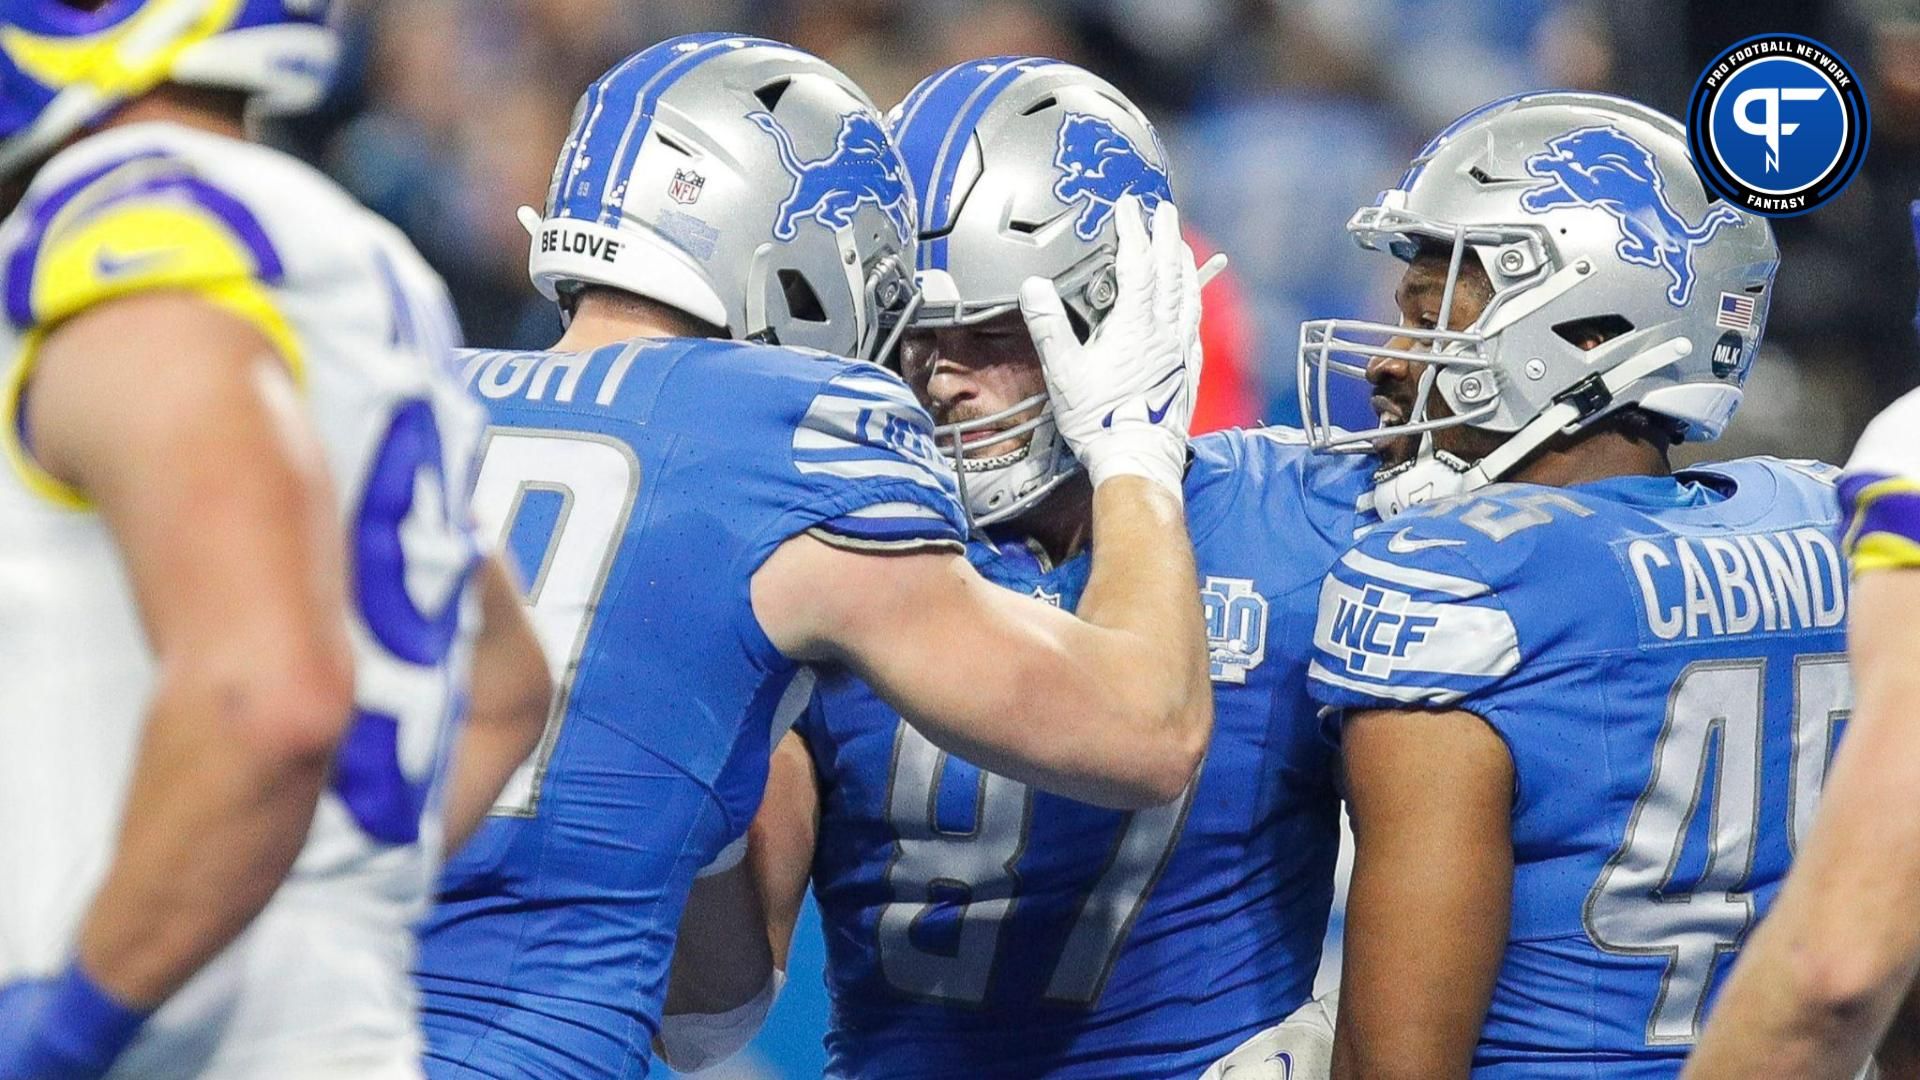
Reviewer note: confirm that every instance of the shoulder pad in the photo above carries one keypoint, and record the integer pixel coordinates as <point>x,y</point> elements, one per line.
<point>1407,617</point>
<point>1880,491</point>
<point>139,223</point>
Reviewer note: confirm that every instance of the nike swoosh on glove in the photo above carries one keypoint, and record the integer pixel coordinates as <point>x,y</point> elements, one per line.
<point>1124,398</point>
<point>1297,1048</point>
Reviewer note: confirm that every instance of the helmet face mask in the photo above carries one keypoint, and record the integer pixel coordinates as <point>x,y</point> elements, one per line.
<point>1009,458</point>
<point>1016,164</point>
<point>1616,281</point>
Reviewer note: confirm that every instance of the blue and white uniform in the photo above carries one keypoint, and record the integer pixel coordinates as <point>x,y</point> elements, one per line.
<point>977,927</point>
<point>639,487</point>
<point>1665,659</point>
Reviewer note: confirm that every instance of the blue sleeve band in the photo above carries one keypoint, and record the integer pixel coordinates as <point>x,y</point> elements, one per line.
<point>86,1028</point>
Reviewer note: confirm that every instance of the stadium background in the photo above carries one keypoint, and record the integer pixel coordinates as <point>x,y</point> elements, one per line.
<point>1281,118</point>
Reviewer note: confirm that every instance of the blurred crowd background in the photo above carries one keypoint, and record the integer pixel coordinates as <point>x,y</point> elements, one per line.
<point>1282,116</point>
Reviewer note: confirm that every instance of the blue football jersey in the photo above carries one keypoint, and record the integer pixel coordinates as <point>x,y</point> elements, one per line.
<point>1665,659</point>
<point>979,928</point>
<point>639,487</point>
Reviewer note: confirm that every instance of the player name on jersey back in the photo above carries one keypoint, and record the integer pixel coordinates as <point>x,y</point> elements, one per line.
<point>1781,581</point>
<point>548,376</point>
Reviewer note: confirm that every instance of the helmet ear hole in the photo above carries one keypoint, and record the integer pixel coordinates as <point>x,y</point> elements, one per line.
<point>1592,332</point>
<point>803,303</point>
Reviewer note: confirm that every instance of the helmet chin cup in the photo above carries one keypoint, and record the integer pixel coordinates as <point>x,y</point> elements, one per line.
<point>1429,476</point>
<point>1004,486</point>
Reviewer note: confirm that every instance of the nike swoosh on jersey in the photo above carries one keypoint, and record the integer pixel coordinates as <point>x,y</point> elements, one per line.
<point>1402,544</point>
<point>109,265</point>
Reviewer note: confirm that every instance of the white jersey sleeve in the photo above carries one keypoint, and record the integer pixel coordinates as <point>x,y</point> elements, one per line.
<point>1880,491</point>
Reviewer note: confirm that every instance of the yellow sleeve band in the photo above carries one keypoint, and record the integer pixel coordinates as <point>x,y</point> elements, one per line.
<point>138,246</point>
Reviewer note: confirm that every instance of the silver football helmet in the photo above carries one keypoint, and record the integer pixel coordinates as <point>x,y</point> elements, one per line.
<point>744,182</point>
<point>1586,213</point>
<point>1016,163</point>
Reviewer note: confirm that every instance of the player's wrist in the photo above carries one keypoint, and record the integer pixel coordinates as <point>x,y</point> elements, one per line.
<point>1155,454</point>
<point>83,1028</point>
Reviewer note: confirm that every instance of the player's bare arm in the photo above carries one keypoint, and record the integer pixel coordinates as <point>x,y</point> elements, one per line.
<point>738,925</point>
<point>1827,969</point>
<point>1430,794</point>
<point>512,691</point>
<point>1073,705</point>
<point>1112,707</point>
<point>214,487</point>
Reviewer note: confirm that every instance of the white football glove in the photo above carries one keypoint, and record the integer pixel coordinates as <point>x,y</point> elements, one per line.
<point>1297,1048</point>
<point>1124,399</point>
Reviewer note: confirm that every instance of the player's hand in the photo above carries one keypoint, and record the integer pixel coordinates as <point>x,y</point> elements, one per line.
<point>1297,1048</point>
<point>1123,400</point>
<point>62,1028</point>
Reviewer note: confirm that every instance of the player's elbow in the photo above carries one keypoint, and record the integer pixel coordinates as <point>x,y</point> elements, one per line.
<point>289,705</point>
<point>1159,770</point>
<point>1840,987</point>
<point>1185,724</point>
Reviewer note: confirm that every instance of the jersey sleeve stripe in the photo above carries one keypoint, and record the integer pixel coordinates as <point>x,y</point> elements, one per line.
<point>877,467</point>
<point>13,437</point>
<point>180,192</point>
<point>1883,527</point>
<point>1368,692</point>
<point>892,531</point>
<point>1413,577</point>
<point>897,510</point>
<point>20,264</point>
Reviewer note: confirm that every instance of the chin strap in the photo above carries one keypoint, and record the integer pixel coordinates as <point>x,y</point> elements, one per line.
<point>1438,475</point>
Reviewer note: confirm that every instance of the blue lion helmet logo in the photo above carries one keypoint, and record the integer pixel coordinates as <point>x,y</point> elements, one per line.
<point>863,168</point>
<point>1601,167</point>
<point>1099,164</point>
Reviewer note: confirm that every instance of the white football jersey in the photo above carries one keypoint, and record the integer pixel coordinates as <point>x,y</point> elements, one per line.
<point>319,986</point>
<point>1880,491</point>
<point>1891,444</point>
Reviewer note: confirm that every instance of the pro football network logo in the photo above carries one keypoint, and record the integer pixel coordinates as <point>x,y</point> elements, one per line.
<point>862,168</point>
<point>1098,164</point>
<point>1604,168</point>
<point>1778,124</point>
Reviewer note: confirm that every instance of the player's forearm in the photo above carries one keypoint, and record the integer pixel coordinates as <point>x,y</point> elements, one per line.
<point>1406,1013</point>
<point>722,956</point>
<point>221,798</point>
<point>738,923</point>
<point>511,696</point>
<point>489,749</point>
<point>1144,588</point>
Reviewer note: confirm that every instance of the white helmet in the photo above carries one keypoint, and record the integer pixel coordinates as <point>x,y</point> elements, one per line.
<point>1587,215</point>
